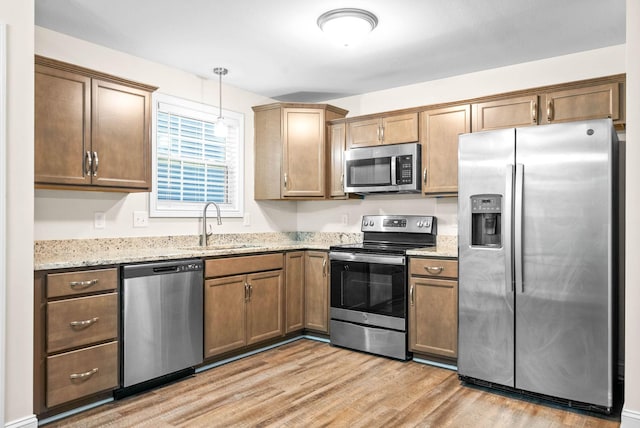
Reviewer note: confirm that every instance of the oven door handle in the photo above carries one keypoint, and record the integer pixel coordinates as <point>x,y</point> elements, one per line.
<point>368,258</point>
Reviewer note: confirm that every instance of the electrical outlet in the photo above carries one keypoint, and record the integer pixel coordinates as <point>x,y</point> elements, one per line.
<point>246,221</point>
<point>140,219</point>
<point>345,219</point>
<point>99,220</point>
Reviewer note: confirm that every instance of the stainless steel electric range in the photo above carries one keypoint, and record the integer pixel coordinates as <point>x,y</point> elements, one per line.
<point>369,282</point>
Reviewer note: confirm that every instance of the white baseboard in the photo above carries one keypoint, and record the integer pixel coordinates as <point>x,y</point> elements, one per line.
<point>26,422</point>
<point>630,419</point>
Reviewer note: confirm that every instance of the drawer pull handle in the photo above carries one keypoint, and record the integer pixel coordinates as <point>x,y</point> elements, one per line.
<point>83,376</point>
<point>83,324</point>
<point>434,269</point>
<point>83,284</point>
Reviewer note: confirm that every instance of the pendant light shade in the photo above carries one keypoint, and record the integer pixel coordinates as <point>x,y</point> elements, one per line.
<point>347,26</point>
<point>220,127</point>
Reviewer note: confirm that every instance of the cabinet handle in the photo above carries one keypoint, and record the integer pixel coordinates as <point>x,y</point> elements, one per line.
<point>411,295</point>
<point>550,112</point>
<point>85,323</point>
<point>88,161</point>
<point>324,267</point>
<point>83,284</point>
<point>424,176</point>
<point>95,164</point>
<point>378,133</point>
<point>246,291</point>
<point>534,113</point>
<point>82,376</point>
<point>382,134</point>
<point>285,180</point>
<point>434,269</point>
<point>342,179</point>
<point>250,291</point>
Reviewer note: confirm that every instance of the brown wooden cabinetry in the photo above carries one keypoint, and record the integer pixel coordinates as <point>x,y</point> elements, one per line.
<point>291,152</point>
<point>337,144</point>
<point>582,103</point>
<point>505,113</point>
<point>76,336</point>
<point>294,291</point>
<point>92,130</point>
<point>316,275</point>
<point>393,129</point>
<point>243,301</point>
<point>440,129</point>
<point>433,307</point>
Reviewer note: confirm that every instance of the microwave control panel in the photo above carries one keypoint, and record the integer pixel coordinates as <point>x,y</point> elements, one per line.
<point>404,169</point>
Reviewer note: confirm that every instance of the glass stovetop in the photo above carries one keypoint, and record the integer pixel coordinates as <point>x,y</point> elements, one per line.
<point>377,247</point>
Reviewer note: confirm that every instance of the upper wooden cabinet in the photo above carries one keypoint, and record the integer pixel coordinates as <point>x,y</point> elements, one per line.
<point>92,130</point>
<point>291,152</point>
<point>439,133</point>
<point>337,144</point>
<point>592,99</point>
<point>395,129</point>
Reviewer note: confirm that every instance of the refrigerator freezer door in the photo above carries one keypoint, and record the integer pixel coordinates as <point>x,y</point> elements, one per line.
<point>563,311</point>
<point>486,318</point>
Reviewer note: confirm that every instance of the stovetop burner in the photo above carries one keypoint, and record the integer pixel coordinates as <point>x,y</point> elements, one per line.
<point>393,234</point>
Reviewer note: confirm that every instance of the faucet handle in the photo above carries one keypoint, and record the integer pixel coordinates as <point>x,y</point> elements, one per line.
<point>210,231</point>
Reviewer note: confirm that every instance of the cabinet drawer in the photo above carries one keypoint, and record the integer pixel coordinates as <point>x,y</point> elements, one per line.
<point>79,373</point>
<point>81,321</point>
<point>434,267</point>
<point>71,283</point>
<point>240,265</point>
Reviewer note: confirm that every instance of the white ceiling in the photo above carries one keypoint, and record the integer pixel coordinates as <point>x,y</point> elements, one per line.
<point>274,47</point>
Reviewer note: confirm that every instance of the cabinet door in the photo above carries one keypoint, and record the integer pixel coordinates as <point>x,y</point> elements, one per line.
<point>62,126</point>
<point>316,273</point>
<point>303,152</point>
<point>439,136</point>
<point>224,314</point>
<point>337,144</point>
<point>120,136</point>
<point>507,113</point>
<point>402,128</point>
<point>264,306</point>
<point>294,291</point>
<point>433,316</point>
<point>363,133</point>
<point>591,102</point>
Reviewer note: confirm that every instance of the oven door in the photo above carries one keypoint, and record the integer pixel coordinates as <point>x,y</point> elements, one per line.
<point>370,284</point>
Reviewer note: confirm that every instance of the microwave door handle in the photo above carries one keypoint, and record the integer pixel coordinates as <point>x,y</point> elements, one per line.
<point>394,163</point>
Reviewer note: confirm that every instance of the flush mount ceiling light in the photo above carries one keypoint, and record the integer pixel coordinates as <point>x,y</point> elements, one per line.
<point>220,127</point>
<point>347,26</point>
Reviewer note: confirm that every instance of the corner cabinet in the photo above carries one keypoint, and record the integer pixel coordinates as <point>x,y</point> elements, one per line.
<point>316,273</point>
<point>433,307</point>
<point>75,337</point>
<point>393,129</point>
<point>439,133</point>
<point>242,301</point>
<point>92,130</point>
<point>291,152</point>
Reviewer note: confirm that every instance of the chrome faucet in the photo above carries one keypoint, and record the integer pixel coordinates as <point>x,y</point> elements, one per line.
<point>205,235</point>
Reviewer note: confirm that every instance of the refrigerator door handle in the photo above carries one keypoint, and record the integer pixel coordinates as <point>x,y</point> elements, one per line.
<point>508,229</point>
<point>517,223</point>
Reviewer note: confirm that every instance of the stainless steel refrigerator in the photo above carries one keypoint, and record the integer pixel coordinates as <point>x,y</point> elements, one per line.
<point>537,253</point>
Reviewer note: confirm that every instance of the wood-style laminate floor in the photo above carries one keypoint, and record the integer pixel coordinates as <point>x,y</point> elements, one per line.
<point>311,384</point>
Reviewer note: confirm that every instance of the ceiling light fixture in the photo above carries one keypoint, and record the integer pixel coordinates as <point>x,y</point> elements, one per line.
<point>347,26</point>
<point>220,127</point>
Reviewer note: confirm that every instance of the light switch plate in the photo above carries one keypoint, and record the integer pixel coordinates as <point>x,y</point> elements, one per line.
<point>99,220</point>
<point>140,219</point>
<point>246,221</point>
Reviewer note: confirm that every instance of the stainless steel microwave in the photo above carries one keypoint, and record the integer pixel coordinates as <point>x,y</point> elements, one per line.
<point>378,169</point>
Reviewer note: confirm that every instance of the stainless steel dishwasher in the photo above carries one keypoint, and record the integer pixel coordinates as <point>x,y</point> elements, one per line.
<point>162,307</point>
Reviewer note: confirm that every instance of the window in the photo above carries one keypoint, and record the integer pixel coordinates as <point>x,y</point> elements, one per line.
<point>191,165</point>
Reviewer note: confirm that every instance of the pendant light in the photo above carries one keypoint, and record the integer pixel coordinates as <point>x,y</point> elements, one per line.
<point>347,26</point>
<point>220,127</point>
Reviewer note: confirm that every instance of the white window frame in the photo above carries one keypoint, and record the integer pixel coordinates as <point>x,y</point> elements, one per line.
<point>202,112</point>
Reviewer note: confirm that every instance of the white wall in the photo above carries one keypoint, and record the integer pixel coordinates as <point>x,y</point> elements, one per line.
<point>631,410</point>
<point>19,234</point>
<point>327,216</point>
<point>70,214</point>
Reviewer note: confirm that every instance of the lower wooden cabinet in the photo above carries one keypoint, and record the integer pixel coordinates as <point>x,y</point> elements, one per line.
<point>433,307</point>
<point>294,291</point>
<point>75,336</point>
<point>316,274</point>
<point>244,307</point>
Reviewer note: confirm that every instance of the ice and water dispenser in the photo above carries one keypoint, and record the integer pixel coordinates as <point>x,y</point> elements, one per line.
<point>486,220</point>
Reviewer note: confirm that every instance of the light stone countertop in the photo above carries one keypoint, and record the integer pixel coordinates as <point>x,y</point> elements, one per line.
<point>60,254</point>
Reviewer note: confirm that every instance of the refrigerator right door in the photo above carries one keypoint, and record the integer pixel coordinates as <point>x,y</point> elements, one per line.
<point>563,247</point>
